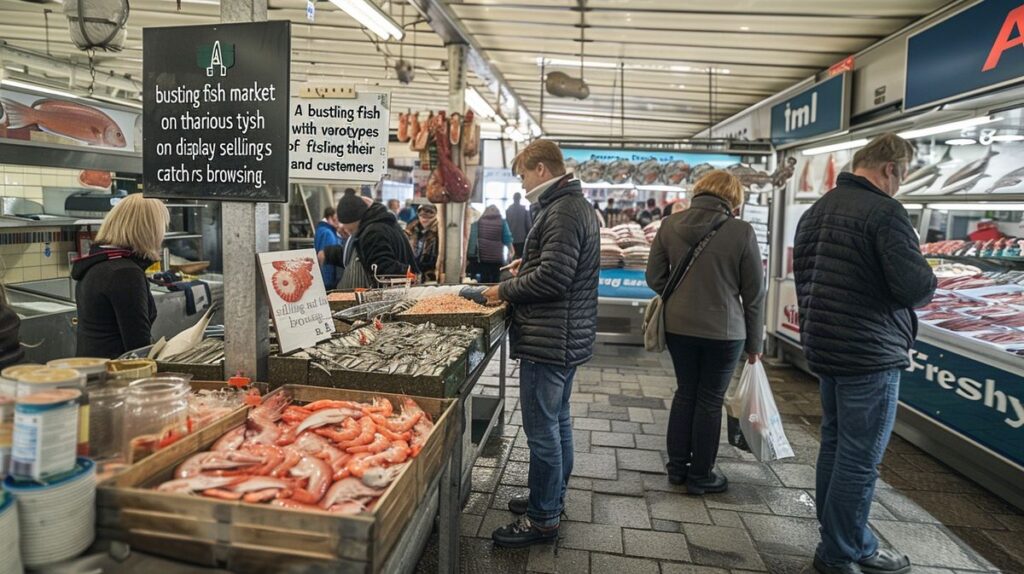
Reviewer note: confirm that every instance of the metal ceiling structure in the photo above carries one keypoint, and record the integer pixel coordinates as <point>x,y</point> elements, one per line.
<point>657,69</point>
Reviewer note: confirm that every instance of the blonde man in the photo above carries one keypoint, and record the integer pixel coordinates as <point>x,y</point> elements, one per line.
<point>859,275</point>
<point>554,324</point>
<point>115,307</point>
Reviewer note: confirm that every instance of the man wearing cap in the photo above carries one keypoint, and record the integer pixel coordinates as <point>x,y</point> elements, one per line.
<point>375,240</point>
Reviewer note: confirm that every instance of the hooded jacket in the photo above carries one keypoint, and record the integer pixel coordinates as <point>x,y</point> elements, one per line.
<point>554,296</point>
<point>859,276</point>
<point>379,241</point>
<point>116,309</point>
<point>327,235</point>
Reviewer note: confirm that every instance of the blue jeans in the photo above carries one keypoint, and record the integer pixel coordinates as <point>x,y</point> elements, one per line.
<point>858,413</point>
<point>544,392</point>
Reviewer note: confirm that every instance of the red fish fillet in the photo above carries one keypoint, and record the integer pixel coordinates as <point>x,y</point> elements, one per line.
<point>830,172</point>
<point>94,178</point>
<point>70,119</point>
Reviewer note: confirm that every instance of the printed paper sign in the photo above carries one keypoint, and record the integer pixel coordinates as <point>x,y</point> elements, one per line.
<point>45,118</point>
<point>340,139</point>
<point>298,299</point>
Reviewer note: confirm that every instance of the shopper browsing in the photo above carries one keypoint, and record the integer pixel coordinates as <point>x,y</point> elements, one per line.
<point>859,276</point>
<point>116,309</point>
<point>423,238</point>
<point>488,238</point>
<point>554,324</point>
<point>327,234</point>
<point>519,223</point>
<point>713,316</point>
<point>374,240</point>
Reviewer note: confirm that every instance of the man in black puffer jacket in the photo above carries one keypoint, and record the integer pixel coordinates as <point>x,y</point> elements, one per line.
<point>374,238</point>
<point>859,276</point>
<point>554,324</point>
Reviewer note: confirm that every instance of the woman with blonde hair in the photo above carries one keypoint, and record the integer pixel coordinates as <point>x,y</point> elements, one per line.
<point>712,316</point>
<point>115,307</point>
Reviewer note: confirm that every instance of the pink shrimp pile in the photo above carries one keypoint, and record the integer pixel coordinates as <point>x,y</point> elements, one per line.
<point>334,456</point>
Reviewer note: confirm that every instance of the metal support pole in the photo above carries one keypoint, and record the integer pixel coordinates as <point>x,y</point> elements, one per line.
<point>244,234</point>
<point>455,235</point>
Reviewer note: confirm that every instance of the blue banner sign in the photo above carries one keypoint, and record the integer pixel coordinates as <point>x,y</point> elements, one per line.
<point>624,284</point>
<point>638,156</point>
<point>972,51</point>
<point>819,110</point>
<point>981,402</point>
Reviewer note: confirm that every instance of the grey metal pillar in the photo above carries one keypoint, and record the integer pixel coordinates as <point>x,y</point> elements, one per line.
<point>244,234</point>
<point>455,213</point>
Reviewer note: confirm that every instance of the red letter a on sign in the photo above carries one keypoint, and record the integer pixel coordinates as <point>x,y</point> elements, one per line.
<point>1014,21</point>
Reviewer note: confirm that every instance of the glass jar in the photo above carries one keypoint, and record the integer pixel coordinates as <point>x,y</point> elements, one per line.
<point>155,416</point>
<point>106,421</point>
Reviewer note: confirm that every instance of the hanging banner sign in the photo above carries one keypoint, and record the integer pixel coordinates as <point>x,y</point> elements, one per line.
<point>340,138</point>
<point>821,109</point>
<point>977,400</point>
<point>298,299</point>
<point>972,51</point>
<point>215,111</point>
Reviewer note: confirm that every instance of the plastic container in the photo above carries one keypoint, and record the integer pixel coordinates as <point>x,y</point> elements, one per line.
<point>9,378</point>
<point>155,416</point>
<point>106,421</point>
<point>45,434</point>
<point>49,378</point>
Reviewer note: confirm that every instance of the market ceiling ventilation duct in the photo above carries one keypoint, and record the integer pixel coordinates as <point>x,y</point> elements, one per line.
<point>97,24</point>
<point>565,86</point>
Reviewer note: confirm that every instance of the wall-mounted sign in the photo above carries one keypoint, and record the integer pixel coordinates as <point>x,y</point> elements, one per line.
<point>624,284</point>
<point>340,138</point>
<point>821,109</point>
<point>215,111</point>
<point>982,402</point>
<point>972,51</point>
<point>298,299</point>
<point>45,118</point>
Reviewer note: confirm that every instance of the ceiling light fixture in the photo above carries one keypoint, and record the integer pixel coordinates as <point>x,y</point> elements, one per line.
<point>370,16</point>
<point>961,141</point>
<point>745,28</point>
<point>479,105</point>
<point>835,147</point>
<point>948,127</point>
<point>977,206</point>
<point>1007,138</point>
<point>515,134</point>
<point>913,206</point>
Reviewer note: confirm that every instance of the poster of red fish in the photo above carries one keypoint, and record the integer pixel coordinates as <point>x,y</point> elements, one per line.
<point>52,119</point>
<point>298,299</point>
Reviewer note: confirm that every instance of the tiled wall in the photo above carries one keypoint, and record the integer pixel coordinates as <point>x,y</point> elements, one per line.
<point>28,181</point>
<point>39,254</point>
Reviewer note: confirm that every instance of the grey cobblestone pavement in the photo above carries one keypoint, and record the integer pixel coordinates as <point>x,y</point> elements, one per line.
<point>623,516</point>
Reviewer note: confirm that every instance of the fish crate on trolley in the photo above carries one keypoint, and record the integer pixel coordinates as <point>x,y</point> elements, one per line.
<point>257,538</point>
<point>492,322</point>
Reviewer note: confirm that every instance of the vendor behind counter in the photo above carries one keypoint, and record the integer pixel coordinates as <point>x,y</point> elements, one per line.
<point>116,309</point>
<point>375,239</point>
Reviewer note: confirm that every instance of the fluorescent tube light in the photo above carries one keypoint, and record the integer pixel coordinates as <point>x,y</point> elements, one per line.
<point>1007,138</point>
<point>835,147</point>
<point>514,134</point>
<point>913,206</point>
<point>659,188</point>
<point>943,128</point>
<point>370,16</point>
<point>961,141</point>
<point>994,206</point>
<point>535,129</point>
<point>479,105</point>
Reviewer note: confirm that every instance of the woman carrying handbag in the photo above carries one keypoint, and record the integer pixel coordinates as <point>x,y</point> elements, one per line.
<point>706,265</point>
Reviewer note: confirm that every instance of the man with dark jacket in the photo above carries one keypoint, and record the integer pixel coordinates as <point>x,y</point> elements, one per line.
<point>859,276</point>
<point>375,239</point>
<point>519,223</point>
<point>554,325</point>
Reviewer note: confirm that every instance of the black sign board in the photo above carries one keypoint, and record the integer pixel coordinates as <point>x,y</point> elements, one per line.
<point>215,111</point>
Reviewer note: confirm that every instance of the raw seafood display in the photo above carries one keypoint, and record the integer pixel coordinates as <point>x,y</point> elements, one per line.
<point>446,304</point>
<point>1003,247</point>
<point>394,348</point>
<point>987,307</point>
<point>208,352</point>
<point>324,456</point>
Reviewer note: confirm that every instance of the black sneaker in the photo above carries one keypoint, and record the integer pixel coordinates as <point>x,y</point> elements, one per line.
<point>523,533</point>
<point>885,562</point>
<point>848,568</point>
<point>715,482</point>
<point>518,504</point>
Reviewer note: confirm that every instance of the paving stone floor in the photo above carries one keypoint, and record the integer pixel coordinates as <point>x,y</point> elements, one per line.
<point>624,517</point>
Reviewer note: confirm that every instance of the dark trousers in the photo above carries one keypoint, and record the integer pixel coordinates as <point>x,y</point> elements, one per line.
<point>489,272</point>
<point>704,368</point>
<point>518,248</point>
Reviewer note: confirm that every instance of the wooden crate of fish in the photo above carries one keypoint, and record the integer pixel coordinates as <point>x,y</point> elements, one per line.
<point>248,522</point>
<point>404,358</point>
<point>205,361</point>
<point>341,300</point>
<point>454,311</point>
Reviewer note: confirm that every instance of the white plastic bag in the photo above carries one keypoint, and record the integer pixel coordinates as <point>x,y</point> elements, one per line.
<point>752,402</point>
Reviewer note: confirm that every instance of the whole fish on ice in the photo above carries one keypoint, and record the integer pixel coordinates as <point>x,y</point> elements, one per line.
<point>68,119</point>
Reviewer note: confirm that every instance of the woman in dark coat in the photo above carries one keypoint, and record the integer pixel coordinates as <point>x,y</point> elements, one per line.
<point>423,239</point>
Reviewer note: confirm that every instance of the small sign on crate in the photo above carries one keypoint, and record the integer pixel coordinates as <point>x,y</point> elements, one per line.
<point>298,299</point>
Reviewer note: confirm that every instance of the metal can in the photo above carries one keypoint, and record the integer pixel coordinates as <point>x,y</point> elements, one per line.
<point>48,379</point>
<point>9,377</point>
<point>6,431</point>
<point>45,434</point>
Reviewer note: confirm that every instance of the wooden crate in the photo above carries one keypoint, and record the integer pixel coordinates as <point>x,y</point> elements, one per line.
<point>340,305</point>
<point>492,322</point>
<point>200,372</point>
<point>256,538</point>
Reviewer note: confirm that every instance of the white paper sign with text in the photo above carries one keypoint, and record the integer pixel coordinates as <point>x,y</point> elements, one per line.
<point>341,139</point>
<point>298,300</point>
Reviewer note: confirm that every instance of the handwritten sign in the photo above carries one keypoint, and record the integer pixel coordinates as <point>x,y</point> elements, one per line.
<point>298,299</point>
<point>340,138</point>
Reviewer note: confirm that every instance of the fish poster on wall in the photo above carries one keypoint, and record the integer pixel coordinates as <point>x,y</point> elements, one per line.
<point>42,117</point>
<point>298,299</point>
<point>972,169</point>
<point>814,175</point>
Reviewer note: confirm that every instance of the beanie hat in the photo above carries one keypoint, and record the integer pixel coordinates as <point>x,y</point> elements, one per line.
<point>351,207</point>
